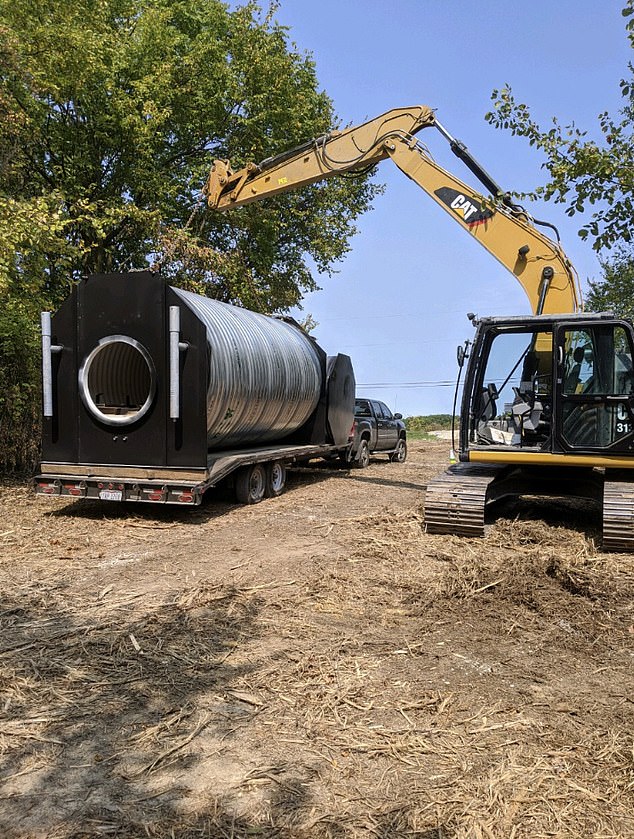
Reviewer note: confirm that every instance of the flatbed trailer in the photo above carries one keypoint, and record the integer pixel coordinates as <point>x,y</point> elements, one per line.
<point>256,472</point>
<point>154,394</point>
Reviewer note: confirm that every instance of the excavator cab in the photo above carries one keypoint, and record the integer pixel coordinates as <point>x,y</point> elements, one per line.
<point>547,409</point>
<point>547,385</point>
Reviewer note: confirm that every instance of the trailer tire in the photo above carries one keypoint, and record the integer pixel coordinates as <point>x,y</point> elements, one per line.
<point>346,457</point>
<point>399,455</point>
<point>362,459</point>
<point>251,484</point>
<point>275,479</point>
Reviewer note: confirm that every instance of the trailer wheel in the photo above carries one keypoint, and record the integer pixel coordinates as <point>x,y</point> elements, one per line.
<point>362,459</point>
<point>250,484</point>
<point>345,456</point>
<point>399,455</point>
<point>275,479</point>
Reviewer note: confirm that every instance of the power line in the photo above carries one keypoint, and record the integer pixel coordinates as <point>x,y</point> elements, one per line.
<point>422,315</point>
<point>406,385</point>
<point>399,343</point>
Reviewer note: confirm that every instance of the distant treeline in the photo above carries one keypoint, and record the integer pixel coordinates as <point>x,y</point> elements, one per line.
<point>433,422</point>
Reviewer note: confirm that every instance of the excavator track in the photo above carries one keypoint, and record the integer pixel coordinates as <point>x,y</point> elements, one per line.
<point>455,500</point>
<point>618,516</point>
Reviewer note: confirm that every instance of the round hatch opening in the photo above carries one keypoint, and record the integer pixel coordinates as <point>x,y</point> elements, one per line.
<point>117,380</point>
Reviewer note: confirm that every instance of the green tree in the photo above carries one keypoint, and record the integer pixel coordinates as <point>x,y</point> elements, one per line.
<point>584,171</point>
<point>431,422</point>
<point>111,112</point>
<point>614,291</point>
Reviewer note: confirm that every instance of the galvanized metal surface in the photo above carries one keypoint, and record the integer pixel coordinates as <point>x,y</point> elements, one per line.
<point>265,375</point>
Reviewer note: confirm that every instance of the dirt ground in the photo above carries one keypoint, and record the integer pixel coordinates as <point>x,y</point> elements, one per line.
<point>313,666</point>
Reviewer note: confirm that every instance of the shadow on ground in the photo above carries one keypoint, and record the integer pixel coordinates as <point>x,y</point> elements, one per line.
<point>579,514</point>
<point>108,719</point>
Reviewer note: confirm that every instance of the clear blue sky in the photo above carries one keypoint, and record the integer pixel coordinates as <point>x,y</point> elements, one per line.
<point>397,305</point>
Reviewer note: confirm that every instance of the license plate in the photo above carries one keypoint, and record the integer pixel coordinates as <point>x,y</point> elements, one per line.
<point>110,494</point>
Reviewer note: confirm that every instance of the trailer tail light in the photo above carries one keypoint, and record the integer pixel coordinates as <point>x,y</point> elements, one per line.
<point>157,494</point>
<point>116,490</point>
<point>48,488</point>
<point>75,488</point>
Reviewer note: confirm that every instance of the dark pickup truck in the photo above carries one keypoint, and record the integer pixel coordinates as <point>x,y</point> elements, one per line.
<point>377,430</point>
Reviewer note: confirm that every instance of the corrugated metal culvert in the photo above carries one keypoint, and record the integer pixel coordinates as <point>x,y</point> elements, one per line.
<point>265,375</point>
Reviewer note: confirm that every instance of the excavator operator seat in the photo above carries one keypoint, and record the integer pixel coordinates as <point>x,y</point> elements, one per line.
<point>487,425</point>
<point>573,375</point>
<point>530,418</point>
<point>526,411</point>
<point>488,407</point>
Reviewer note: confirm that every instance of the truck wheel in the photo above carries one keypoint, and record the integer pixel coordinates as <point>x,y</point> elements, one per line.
<point>399,455</point>
<point>362,459</point>
<point>250,484</point>
<point>275,479</point>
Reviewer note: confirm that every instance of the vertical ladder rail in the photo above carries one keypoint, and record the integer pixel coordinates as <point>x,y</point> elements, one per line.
<point>48,348</point>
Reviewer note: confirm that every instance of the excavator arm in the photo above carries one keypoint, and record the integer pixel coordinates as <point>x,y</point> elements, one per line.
<point>504,229</point>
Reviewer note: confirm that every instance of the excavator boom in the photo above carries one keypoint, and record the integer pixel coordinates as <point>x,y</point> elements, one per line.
<point>505,230</point>
<point>332,154</point>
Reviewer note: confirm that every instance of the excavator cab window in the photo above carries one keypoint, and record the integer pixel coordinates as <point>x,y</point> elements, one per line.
<point>512,404</point>
<point>596,387</point>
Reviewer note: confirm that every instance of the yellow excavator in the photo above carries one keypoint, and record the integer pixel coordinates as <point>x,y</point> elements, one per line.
<point>548,399</point>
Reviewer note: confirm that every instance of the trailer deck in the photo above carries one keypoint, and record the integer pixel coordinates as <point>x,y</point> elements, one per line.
<point>159,484</point>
